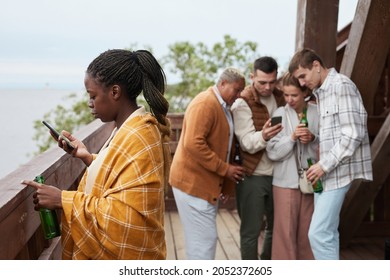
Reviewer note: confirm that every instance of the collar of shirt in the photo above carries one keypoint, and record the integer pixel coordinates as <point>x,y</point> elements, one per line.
<point>220,99</point>
<point>229,118</point>
<point>317,92</point>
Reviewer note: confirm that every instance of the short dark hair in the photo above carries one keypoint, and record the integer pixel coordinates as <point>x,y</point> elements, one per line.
<point>305,59</point>
<point>265,64</point>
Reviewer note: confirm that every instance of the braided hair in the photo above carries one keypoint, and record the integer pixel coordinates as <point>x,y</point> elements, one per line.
<point>135,72</point>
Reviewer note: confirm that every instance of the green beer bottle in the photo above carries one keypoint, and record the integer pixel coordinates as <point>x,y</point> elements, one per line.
<point>49,221</point>
<point>304,117</point>
<point>317,187</point>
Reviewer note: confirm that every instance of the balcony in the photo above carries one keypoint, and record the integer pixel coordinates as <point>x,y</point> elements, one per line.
<point>22,237</point>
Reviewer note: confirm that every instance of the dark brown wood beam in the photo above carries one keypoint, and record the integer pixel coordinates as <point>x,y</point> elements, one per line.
<point>367,48</point>
<point>363,61</point>
<point>362,194</point>
<point>317,28</point>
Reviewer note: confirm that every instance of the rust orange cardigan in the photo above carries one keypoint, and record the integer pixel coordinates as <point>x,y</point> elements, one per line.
<point>199,164</point>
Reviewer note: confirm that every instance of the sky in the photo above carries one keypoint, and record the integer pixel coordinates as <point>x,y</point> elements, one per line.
<point>46,43</point>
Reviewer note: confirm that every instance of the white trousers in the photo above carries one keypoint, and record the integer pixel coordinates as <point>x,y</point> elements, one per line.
<point>198,218</point>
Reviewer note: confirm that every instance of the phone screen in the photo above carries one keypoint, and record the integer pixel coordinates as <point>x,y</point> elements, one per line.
<point>276,120</point>
<point>57,134</point>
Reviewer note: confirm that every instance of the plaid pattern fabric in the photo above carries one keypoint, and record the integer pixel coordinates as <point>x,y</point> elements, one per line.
<point>345,153</point>
<point>123,216</point>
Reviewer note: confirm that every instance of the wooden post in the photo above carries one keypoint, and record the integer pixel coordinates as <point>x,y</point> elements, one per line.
<point>317,28</point>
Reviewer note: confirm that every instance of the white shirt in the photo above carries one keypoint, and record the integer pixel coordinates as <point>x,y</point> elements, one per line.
<point>229,118</point>
<point>251,140</point>
<point>345,153</point>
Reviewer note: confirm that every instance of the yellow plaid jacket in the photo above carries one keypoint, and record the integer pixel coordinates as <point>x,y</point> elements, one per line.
<point>123,217</point>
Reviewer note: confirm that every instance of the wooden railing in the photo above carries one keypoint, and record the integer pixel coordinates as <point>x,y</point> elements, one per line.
<point>20,230</point>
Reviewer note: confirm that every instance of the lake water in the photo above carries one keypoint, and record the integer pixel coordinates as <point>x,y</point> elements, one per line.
<point>18,111</point>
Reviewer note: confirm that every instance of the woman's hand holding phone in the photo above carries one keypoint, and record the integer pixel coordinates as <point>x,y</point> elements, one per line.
<point>70,144</point>
<point>59,136</point>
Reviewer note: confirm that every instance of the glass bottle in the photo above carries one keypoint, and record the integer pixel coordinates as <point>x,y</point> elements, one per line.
<point>317,187</point>
<point>304,117</point>
<point>237,155</point>
<point>49,221</point>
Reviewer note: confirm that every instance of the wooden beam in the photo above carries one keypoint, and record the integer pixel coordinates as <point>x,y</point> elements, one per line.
<point>364,64</point>
<point>317,28</point>
<point>367,48</point>
<point>362,194</point>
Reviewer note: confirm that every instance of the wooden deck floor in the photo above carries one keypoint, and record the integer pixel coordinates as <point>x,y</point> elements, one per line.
<point>228,247</point>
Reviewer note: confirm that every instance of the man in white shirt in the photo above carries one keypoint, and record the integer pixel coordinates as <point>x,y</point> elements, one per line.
<point>252,127</point>
<point>345,153</point>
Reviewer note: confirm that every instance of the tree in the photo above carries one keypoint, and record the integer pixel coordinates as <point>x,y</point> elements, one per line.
<point>197,66</point>
<point>63,118</point>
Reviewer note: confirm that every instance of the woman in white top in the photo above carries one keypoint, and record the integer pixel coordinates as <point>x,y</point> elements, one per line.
<point>292,208</point>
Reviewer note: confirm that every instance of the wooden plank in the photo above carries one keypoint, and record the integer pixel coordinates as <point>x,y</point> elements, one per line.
<point>176,120</point>
<point>317,28</point>
<point>343,34</point>
<point>360,248</point>
<point>171,252</point>
<point>232,224</point>
<point>225,236</point>
<point>178,236</point>
<point>361,194</point>
<point>227,247</point>
<point>341,44</point>
<point>54,251</point>
<point>219,252</point>
<point>363,62</point>
<point>236,217</point>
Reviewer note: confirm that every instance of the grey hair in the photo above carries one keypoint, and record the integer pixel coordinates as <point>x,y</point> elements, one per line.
<point>231,75</point>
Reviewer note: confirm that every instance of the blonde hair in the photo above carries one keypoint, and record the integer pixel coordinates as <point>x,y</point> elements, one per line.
<point>289,80</point>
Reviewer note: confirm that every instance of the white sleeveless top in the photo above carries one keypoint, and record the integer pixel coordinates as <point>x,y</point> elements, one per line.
<point>95,166</point>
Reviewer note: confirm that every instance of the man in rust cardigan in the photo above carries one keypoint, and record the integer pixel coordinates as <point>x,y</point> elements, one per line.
<point>252,126</point>
<point>201,174</point>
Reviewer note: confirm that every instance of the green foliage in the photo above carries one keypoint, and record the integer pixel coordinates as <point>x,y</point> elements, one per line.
<point>62,118</point>
<point>198,66</point>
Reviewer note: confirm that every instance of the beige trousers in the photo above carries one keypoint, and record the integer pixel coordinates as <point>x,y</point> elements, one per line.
<point>292,216</point>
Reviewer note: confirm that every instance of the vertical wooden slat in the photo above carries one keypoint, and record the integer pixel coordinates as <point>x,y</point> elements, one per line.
<point>317,28</point>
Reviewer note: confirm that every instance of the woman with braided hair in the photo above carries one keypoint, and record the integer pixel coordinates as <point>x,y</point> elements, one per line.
<point>117,210</point>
